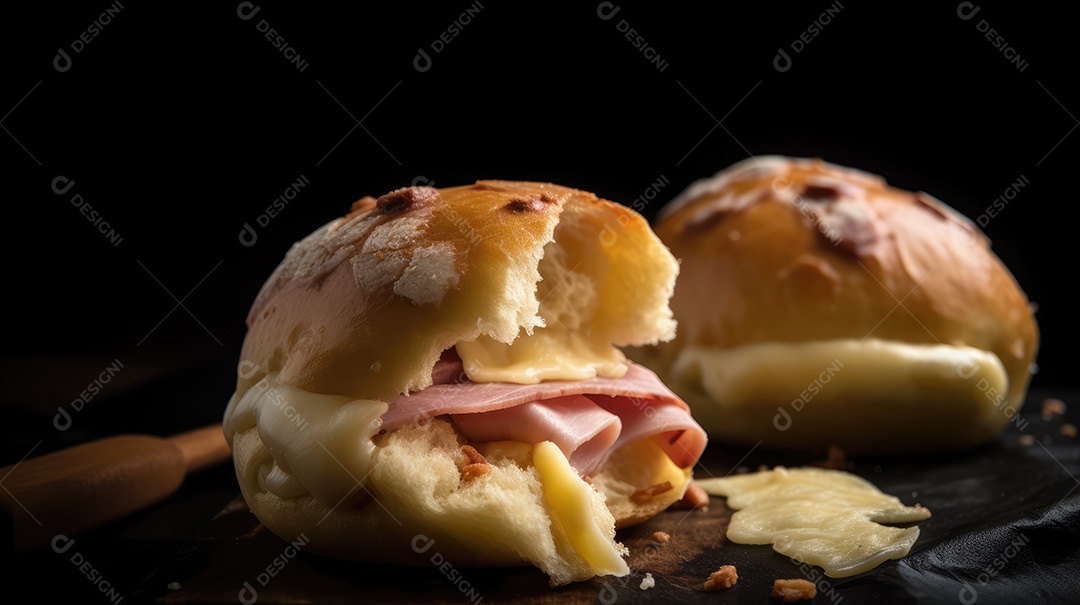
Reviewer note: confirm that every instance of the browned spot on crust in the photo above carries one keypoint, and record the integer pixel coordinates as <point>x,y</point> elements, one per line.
<point>407,199</point>
<point>549,198</point>
<point>648,493</point>
<point>823,193</point>
<point>526,204</point>
<point>488,186</point>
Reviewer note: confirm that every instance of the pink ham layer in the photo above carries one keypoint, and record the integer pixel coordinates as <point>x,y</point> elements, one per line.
<point>587,419</point>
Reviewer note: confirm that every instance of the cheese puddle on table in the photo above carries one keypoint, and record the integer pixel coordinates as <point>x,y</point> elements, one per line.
<point>829,518</point>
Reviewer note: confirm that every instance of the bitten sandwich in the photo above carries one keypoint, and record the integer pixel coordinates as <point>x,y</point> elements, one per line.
<point>439,369</point>
<point>819,306</point>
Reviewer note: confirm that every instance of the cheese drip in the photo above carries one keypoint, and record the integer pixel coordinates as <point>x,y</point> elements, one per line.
<point>546,354</point>
<point>321,444</point>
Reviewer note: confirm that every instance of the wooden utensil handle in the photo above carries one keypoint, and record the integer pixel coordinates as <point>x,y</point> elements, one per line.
<point>91,484</point>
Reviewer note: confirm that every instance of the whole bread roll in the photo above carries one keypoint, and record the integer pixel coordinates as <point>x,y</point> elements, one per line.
<point>434,377</point>
<point>818,306</point>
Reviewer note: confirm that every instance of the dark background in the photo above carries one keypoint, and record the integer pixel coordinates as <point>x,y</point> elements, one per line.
<point>179,124</point>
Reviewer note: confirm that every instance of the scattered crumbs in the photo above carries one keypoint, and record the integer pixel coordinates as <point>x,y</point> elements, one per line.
<point>877,468</point>
<point>661,536</point>
<point>722,578</point>
<point>1052,407</point>
<point>914,494</point>
<point>1047,440</point>
<point>1027,440</point>
<point>791,591</point>
<point>1068,429</point>
<point>647,582</point>
<point>835,459</point>
<point>173,586</point>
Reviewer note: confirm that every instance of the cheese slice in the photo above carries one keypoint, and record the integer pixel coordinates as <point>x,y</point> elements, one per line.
<point>829,518</point>
<point>570,500</point>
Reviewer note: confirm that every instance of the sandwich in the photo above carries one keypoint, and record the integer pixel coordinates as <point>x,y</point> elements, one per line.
<point>441,369</point>
<point>819,306</point>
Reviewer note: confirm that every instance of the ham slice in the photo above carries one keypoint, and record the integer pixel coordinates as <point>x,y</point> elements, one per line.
<point>584,431</point>
<point>587,419</point>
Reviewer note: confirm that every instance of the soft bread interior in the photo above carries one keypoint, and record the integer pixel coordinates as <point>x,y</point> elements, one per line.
<point>415,503</point>
<point>594,292</point>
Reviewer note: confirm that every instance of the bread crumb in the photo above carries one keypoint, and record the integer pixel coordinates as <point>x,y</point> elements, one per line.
<point>1052,407</point>
<point>1068,429</point>
<point>794,590</point>
<point>477,465</point>
<point>648,493</point>
<point>695,497</point>
<point>1027,440</point>
<point>835,459</point>
<point>647,582</point>
<point>661,536</point>
<point>722,578</point>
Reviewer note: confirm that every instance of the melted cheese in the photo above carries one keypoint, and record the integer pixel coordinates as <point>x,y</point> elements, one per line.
<point>852,369</point>
<point>321,444</point>
<point>550,353</point>
<point>828,518</point>
<point>570,501</point>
